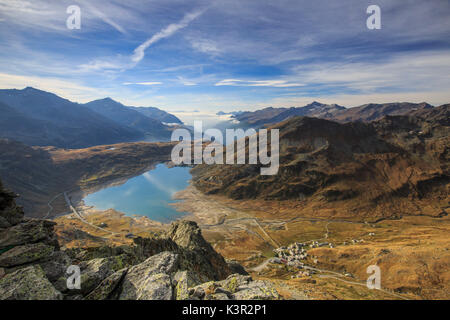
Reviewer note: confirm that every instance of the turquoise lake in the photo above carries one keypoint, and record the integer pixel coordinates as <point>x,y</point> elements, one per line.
<point>149,194</point>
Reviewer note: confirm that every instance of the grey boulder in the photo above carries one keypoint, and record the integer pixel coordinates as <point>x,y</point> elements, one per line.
<point>150,279</point>
<point>28,283</point>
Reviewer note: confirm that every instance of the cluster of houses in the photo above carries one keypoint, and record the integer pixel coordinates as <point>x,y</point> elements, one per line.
<point>294,254</point>
<point>354,241</point>
<point>291,255</point>
<point>317,244</point>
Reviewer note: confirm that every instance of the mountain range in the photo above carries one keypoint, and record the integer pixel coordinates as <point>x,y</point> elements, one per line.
<point>127,117</point>
<point>37,117</point>
<point>398,165</point>
<point>365,113</point>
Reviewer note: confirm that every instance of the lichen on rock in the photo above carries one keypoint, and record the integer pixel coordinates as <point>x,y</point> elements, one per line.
<point>28,283</point>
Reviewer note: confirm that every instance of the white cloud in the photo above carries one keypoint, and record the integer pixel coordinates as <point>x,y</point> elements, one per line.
<point>148,83</point>
<point>64,88</point>
<point>425,71</point>
<point>37,14</point>
<point>166,32</point>
<point>198,66</point>
<point>121,63</point>
<point>186,82</point>
<point>51,15</point>
<point>352,100</point>
<point>205,45</point>
<point>21,6</point>
<point>258,83</point>
<point>102,16</point>
<point>118,63</point>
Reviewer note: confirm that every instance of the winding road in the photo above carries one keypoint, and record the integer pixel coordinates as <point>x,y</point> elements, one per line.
<point>77,214</point>
<point>49,204</point>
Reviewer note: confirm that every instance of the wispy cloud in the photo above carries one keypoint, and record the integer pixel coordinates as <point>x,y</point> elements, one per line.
<point>35,14</point>
<point>186,82</point>
<point>118,63</point>
<point>258,83</point>
<point>50,16</point>
<point>22,6</point>
<point>148,83</point>
<point>205,45</point>
<point>121,63</point>
<point>166,32</point>
<point>404,72</point>
<point>68,89</point>
<point>198,66</point>
<point>352,100</point>
<point>102,16</point>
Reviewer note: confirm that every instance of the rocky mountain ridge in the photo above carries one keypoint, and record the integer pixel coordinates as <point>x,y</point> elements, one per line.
<point>365,113</point>
<point>387,168</point>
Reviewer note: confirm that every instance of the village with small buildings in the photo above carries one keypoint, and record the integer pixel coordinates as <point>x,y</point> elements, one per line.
<point>295,255</point>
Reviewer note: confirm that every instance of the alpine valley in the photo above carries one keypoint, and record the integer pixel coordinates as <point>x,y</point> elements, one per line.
<point>356,187</point>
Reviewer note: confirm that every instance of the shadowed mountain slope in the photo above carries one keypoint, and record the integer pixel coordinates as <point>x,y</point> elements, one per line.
<point>129,117</point>
<point>157,114</point>
<point>46,119</point>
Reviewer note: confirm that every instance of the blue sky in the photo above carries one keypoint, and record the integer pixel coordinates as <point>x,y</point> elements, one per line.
<point>229,54</point>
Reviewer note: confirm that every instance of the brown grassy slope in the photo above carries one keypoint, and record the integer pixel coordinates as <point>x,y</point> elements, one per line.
<point>412,253</point>
<point>72,232</point>
<point>101,164</point>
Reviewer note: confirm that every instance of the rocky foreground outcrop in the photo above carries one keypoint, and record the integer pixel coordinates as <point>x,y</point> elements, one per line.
<point>10,213</point>
<point>180,265</point>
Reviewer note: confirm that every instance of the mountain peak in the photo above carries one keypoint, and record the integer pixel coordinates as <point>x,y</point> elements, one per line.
<point>31,89</point>
<point>107,99</point>
<point>314,104</point>
<point>37,92</point>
